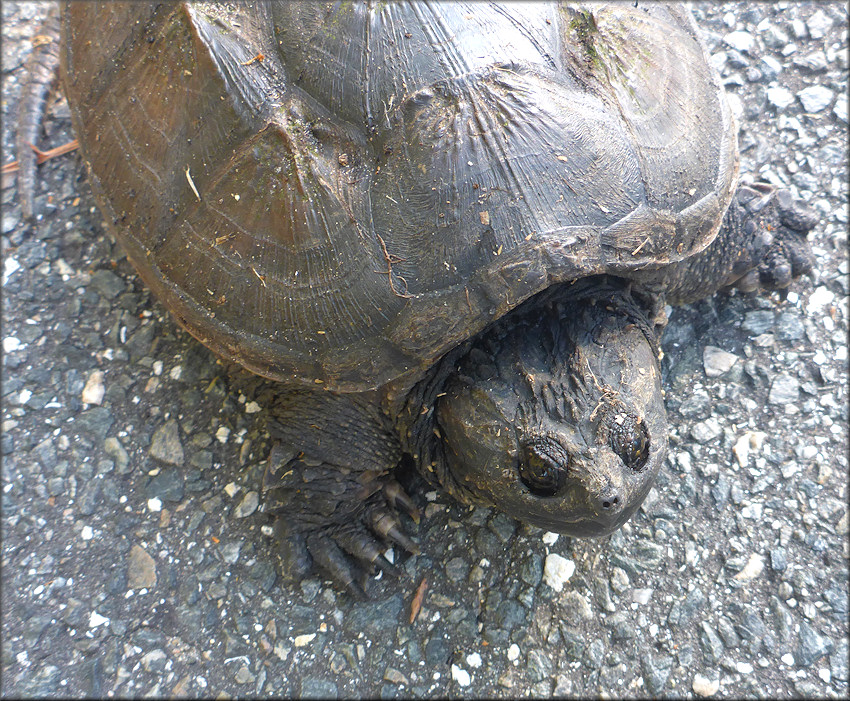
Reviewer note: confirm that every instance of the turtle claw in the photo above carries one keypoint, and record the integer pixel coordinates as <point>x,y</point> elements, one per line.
<point>360,545</point>
<point>396,496</point>
<point>356,591</point>
<point>330,557</point>
<point>396,535</point>
<point>366,549</point>
<point>388,528</point>
<point>386,566</point>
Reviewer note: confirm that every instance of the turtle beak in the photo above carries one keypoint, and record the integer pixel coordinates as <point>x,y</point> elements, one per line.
<point>605,495</point>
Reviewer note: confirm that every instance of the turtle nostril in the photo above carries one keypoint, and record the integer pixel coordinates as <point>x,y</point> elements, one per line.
<point>609,501</point>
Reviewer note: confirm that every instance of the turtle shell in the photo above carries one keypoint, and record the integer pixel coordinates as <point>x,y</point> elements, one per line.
<point>339,193</point>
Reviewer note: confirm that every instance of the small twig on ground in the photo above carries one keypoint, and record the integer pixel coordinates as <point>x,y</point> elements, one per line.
<point>42,156</point>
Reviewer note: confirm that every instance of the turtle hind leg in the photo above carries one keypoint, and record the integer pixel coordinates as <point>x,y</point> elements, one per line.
<point>330,488</point>
<point>772,226</point>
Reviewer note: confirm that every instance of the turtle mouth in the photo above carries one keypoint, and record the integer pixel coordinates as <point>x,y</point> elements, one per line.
<point>575,514</point>
<point>586,526</point>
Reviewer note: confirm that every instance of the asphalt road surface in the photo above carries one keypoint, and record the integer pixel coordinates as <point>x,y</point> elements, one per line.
<point>134,559</point>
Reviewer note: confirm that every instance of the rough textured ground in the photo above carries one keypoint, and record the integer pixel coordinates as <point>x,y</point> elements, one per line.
<point>133,556</point>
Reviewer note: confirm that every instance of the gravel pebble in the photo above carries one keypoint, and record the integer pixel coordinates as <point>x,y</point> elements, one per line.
<point>539,665</point>
<point>820,299</point>
<point>770,67</point>
<point>113,448</point>
<point>812,646</point>
<point>705,686</point>
<point>96,421</point>
<point>154,661</point>
<point>230,552</point>
<point>577,607</point>
<point>706,431</point>
<point>94,390</point>
<point>621,626</point>
<point>752,570</point>
<point>840,108</point>
<point>166,445</point>
<point>780,97</point>
<point>838,661</point>
<point>751,441</point>
<point>316,688</point>
<point>710,642</point>
<point>656,671</point>
<point>818,25</point>
<point>248,505</point>
<point>689,608</point>
<point>167,485</point>
<point>815,98</point>
<point>107,283</point>
<point>244,676</point>
<point>557,571</point>
<point>784,390</point>
<point>778,559</point>
<point>619,580</point>
<point>740,41</point>
<point>141,569</point>
<point>758,321</point>
<point>717,361</point>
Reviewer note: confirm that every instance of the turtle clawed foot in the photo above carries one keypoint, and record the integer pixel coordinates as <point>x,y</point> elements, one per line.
<point>348,550</point>
<point>379,527</point>
<point>386,525</point>
<point>776,225</point>
<point>299,554</point>
<point>779,268</point>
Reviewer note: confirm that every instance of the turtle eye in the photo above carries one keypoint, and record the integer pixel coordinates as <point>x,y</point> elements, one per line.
<point>543,469</point>
<point>630,440</point>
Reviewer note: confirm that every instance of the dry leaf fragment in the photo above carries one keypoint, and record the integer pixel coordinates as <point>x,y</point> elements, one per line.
<point>418,597</point>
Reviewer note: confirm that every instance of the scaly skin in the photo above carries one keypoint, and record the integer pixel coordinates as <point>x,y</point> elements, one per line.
<point>332,495</point>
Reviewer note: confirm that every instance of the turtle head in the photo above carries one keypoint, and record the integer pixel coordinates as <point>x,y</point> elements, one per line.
<point>555,416</point>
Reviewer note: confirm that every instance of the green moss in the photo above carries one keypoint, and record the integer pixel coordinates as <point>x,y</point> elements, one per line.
<point>604,54</point>
<point>584,25</point>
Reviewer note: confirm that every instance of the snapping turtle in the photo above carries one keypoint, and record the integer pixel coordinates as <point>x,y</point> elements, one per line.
<point>449,230</point>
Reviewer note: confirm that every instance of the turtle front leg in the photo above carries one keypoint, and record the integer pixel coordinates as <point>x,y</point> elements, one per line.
<point>774,227</point>
<point>330,489</point>
<point>762,244</point>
